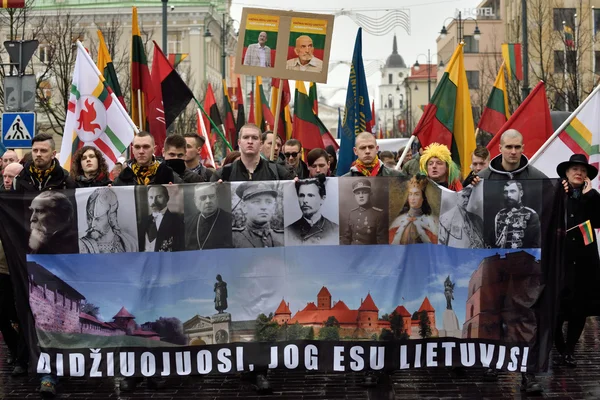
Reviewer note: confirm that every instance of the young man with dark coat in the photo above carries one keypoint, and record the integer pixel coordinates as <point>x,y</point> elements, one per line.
<point>144,169</point>
<point>368,163</point>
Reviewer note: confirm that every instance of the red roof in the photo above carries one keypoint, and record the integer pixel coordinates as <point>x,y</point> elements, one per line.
<point>426,306</point>
<point>283,308</point>
<point>323,292</point>
<point>318,317</point>
<point>123,313</point>
<point>368,304</point>
<point>310,307</point>
<point>402,311</point>
<point>340,305</point>
<point>423,71</point>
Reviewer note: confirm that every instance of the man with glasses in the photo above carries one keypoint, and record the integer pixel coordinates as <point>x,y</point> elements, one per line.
<point>292,150</point>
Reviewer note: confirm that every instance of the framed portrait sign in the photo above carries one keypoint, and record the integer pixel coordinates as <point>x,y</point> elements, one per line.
<point>284,44</point>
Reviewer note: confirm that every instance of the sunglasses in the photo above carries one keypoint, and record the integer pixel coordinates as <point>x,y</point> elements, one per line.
<point>293,155</point>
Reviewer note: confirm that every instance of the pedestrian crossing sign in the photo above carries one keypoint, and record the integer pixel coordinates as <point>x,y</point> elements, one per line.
<point>18,128</point>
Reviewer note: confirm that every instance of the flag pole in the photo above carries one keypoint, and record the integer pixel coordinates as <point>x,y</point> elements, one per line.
<point>276,122</point>
<point>206,141</point>
<point>112,94</point>
<point>213,124</point>
<point>564,124</point>
<point>406,148</point>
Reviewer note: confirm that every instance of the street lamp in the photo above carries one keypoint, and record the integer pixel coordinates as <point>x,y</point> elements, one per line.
<point>417,67</point>
<point>408,104</point>
<point>226,25</point>
<point>460,28</point>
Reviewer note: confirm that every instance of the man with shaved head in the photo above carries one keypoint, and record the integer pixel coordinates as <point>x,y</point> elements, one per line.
<point>306,61</point>
<point>368,163</point>
<point>511,163</point>
<point>9,157</point>
<point>9,173</point>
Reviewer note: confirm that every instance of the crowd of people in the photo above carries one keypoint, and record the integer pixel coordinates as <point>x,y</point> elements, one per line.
<point>264,157</point>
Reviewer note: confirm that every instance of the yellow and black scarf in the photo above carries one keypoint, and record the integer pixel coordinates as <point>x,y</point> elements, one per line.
<point>41,174</point>
<point>144,174</point>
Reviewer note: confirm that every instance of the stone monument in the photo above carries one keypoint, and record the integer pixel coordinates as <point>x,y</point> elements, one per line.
<point>221,322</point>
<point>450,320</point>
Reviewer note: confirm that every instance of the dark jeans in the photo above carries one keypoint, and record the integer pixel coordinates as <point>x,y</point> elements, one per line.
<point>15,341</point>
<point>575,327</point>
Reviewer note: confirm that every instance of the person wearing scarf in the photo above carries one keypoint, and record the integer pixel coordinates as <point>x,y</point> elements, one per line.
<point>368,163</point>
<point>144,169</point>
<point>89,168</point>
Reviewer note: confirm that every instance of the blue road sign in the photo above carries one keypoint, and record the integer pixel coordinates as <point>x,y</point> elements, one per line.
<point>18,128</point>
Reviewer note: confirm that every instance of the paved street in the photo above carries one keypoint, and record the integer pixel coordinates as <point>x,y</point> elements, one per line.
<point>560,383</point>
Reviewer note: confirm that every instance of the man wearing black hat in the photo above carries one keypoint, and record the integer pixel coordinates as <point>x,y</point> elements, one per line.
<point>365,222</point>
<point>259,202</point>
<point>579,297</point>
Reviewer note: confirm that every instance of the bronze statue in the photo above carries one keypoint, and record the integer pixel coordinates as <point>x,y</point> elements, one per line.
<point>449,292</point>
<point>220,295</point>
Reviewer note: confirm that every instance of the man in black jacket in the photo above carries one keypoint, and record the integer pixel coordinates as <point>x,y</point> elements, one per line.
<point>292,150</point>
<point>144,169</point>
<point>44,172</point>
<point>174,152</point>
<point>193,148</point>
<point>162,229</point>
<point>251,166</point>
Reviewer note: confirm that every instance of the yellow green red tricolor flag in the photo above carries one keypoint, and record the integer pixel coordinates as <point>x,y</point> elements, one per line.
<point>586,231</point>
<point>448,118</point>
<point>95,117</point>
<point>495,114</point>
<point>13,3</point>
<point>511,53</point>
<point>580,136</point>
<point>107,69</point>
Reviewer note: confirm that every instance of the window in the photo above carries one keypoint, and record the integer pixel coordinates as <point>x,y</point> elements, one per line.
<point>471,45</point>
<point>390,78</point>
<point>174,43</point>
<point>597,61</point>
<point>596,21</point>
<point>473,79</point>
<point>44,53</point>
<point>476,113</point>
<point>559,61</point>
<point>564,14</point>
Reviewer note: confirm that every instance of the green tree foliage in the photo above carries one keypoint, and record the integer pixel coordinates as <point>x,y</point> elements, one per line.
<point>424,325</point>
<point>267,330</point>
<point>329,333</point>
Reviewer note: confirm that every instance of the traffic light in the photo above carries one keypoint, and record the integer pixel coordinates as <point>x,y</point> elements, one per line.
<point>13,3</point>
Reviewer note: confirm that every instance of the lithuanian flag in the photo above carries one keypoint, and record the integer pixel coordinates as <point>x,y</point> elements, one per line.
<point>586,231</point>
<point>568,32</point>
<point>284,130</point>
<point>230,130</point>
<point>448,118</point>
<point>13,3</point>
<point>176,58</point>
<point>511,53</point>
<point>141,83</point>
<point>107,69</point>
<point>312,95</point>
<point>495,114</point>
<point>263,116</point>
<point>307,127</point>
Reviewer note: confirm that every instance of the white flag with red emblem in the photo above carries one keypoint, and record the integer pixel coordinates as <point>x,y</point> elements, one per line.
<point>95,117</point>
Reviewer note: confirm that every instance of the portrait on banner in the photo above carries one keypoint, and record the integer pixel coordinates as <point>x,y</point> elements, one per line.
<point>160,218</point>
<point>414,211</point>
<point>461,218</point>
<point>311,216</point>
<point>257,214</point>
<point>207,216</point>
<point>105,222</point>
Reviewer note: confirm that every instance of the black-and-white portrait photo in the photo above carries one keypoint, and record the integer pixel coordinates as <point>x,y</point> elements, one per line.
<point>53,224</point>
<point>160,218</point>
<point>257,214</point>
<point>105,221</point>
<point>511,215</point>
<point>363,210</point>
<point>414,211</point>
<point>311,212</point>
<point>461,219</point>
<point>207,216</point>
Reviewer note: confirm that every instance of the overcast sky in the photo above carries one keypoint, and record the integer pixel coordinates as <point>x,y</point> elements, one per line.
<point>426,20</point>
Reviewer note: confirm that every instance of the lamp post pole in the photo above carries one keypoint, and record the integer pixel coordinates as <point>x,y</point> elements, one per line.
<point>223,44</point>
<point>525,47</point>
<point>164,26</point>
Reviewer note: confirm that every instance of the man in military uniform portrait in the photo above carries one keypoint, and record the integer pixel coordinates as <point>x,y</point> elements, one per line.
<point>516,226</point>
<point>103,234</point>
<point>209,228</point>
<point>259,203</point>
<point>312,228</point>
<point>365,223</point>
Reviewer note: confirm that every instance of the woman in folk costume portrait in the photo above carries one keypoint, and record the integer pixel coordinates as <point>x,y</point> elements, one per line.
<point>415,224</point>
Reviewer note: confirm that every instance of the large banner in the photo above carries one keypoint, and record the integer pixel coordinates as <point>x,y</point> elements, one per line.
<point>344,274</point>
